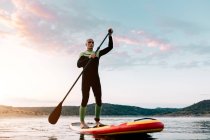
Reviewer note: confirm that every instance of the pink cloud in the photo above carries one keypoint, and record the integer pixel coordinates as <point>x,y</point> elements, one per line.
<point>140,38</point>
<point>139,32</point>
<point>155,43</point>
<point>41,38</point>
<point>5,17</point>
<point>41,11</point>
<point>35,8</point>
<point>128,40</point>
<point>24,27</point>
<point>24,21</point>
<point>26,17</point>
<point>39,26</point>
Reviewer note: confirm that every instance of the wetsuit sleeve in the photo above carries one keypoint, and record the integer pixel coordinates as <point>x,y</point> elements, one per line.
<point>82,61</point>
<point>107,49</point>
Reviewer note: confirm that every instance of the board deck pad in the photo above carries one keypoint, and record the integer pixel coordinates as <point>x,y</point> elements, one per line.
<point>144,125</point>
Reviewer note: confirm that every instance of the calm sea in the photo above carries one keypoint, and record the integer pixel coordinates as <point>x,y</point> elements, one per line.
<point>38,128</point>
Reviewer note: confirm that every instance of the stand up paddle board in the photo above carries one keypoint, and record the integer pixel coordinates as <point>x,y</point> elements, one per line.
<point>144,125</point>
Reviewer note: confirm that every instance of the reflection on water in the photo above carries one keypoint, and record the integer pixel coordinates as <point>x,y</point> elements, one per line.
<point>179,128</point>
<point>121,137</point>
<point>52,138</point>
<point>202,127</point>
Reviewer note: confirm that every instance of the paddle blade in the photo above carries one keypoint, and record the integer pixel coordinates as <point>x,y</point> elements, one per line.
<point>54,116</point>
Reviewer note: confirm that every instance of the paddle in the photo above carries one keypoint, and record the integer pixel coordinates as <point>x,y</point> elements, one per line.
<point>55,114</point>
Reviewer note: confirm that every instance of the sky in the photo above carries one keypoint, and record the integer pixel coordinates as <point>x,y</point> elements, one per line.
<point>161,54</point>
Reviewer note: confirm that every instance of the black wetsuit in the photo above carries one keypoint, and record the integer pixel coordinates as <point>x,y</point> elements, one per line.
<point>90,77</point>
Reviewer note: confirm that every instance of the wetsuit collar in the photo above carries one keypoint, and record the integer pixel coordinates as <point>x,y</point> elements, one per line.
<point>90,50</point>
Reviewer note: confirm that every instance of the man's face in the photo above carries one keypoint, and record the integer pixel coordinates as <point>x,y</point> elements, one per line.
<point>90,44</point>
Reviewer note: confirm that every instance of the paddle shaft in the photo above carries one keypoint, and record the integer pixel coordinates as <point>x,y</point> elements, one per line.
<point>83,69</point>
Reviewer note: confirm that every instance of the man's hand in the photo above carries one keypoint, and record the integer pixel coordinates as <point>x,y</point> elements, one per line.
<point>110,31</point>
<point>92,56</point>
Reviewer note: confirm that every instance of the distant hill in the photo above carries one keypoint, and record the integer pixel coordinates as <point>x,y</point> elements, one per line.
<point>107,109</point>
<point>198,109</point>
<point>201,108</point>
<point>113,109</point>
<point>14,111</point>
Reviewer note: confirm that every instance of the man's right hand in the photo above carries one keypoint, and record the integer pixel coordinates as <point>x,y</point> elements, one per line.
<point>92,56</point>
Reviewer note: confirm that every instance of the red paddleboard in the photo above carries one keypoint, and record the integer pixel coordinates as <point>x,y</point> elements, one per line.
<point>145,125</point>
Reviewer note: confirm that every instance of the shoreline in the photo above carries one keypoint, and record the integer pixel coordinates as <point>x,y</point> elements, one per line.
<point>155,116</point>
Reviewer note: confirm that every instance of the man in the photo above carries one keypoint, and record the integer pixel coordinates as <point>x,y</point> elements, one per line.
<point>90,78</point>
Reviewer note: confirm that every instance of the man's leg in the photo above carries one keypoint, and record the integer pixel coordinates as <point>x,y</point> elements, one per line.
<point>97,112</point>
<point>97,93</point>
<point>85,97</point>
<point>82,112</point>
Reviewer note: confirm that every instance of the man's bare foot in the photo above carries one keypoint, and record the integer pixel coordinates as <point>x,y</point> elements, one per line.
<point>83,125</point>
<point>98,124</point>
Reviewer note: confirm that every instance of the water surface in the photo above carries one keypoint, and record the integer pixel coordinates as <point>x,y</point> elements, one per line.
<point>38,128</point>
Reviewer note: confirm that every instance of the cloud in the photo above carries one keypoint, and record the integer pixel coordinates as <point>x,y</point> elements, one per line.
<point>50,27</point>
<point>64,26</point>
<point>140,38</point>
<point>35,8</point>
<point>5,17</point>
<point>154,51</point>
<point>138,48</point>
<point>55,27</point>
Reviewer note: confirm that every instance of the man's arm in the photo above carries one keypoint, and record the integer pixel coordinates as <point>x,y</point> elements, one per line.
<point>107,49</point>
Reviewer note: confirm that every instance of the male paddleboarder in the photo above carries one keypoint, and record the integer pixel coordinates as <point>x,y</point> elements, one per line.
<point>90,78</point>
